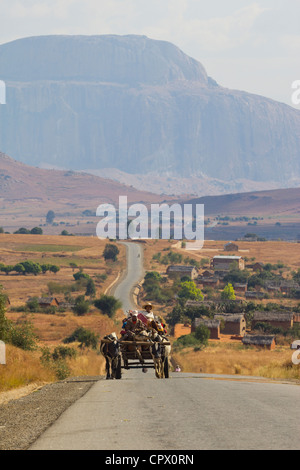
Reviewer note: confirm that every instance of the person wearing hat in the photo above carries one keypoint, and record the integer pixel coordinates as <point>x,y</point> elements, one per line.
<point>148,307</point>
<point>134,324</point>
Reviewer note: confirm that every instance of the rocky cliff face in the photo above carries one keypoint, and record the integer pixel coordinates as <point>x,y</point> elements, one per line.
<point>141,106</point>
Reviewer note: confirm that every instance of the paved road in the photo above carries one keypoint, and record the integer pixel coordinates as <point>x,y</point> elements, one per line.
<point>184,412</point>
<point>134,274</point>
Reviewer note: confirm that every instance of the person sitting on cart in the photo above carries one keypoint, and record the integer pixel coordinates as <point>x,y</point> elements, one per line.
<point>133,325</point>
<point>148,307</point>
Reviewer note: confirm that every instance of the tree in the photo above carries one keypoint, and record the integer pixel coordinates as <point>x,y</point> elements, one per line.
<point>108,305</point>
<point>54,269</point>
<point>45,268</point>
<point>110,252</point>
<point>81,306</point>
<point>80,275</point>
<point>175,316</point>
<point>84,336</point>
<point>202,334</point>
<point>33,304</point>
<point>228,293</point>
<point>50,217</point>
<point>189,291</point>
<point>5,324</point>
<point>7,269</point>
<point>90,288</point>
<point>36,231</point>
<point>19,268</point>
<point>73,266</point>
<point>22,231</point>
<point>31,267</point>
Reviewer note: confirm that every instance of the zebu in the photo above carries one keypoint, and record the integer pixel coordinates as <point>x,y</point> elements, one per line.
<point>161,355</point>
<point>110,349</point>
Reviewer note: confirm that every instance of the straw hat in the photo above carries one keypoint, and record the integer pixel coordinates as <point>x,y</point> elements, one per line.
<point>148,305</point>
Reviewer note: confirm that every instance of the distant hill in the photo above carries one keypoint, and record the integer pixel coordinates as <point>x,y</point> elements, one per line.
<point>27,193</point>
<point>283,202</point>
<point>143,107</point>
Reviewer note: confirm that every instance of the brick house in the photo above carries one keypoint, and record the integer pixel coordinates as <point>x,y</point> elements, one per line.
<point>189,271</point>
<point>234,324</point>
<point>210,282</point>
<point>231,247</point>
<point>45,302</point>
<point>277,319</point>
<point>207,273</point>
<point>254,295</point>
<point>212,325</point>
<point>262,341</point>
<point>240,287</point>
<point>224,263</point>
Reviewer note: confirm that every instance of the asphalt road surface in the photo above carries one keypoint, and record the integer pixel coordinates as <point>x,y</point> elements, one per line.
<point>133,274</point>
<point>184,412</point>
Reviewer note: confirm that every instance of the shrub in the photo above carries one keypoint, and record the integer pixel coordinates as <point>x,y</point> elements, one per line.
<point>81,306</point>
<point>84,336</point>
<point>22,336</point>
<point>110,252</point>
<point>108,305</point>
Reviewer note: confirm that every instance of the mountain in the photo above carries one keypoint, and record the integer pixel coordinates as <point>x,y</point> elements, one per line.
<point>27,193</point>
<point>142,107</point>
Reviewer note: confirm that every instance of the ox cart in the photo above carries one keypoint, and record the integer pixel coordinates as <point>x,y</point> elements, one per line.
<point>135,354</point>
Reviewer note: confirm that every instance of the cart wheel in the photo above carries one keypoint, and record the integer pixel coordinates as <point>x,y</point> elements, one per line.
<point>166,367</point>
<point>119,370</point>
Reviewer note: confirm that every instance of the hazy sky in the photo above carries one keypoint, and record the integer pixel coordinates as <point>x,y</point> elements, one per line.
<point>243,44</point>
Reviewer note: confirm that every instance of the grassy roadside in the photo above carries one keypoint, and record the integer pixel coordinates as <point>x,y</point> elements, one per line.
<point>24,368</point>
<point>236,359</point>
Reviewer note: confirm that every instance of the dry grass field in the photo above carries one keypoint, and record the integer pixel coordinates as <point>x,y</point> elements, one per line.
<point>235,359</point>
<point>265,252</point>
<point>24,367</point>
<point>86,252</point>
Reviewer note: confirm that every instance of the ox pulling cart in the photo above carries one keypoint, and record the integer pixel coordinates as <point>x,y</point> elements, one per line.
<point>138,353</point>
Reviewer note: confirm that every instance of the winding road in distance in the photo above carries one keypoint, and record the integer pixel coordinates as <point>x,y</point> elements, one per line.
<point>132,276</point>
<point>188,411</point>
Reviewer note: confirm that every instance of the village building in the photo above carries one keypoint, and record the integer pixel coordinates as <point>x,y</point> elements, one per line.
<point>224,263</point>
<point>254,295</point>
<point>277,319</point>
<point>262,341</point>
<point>66,305</point>
<point>296,317</point>
<point>189,271</point>
<point>209,282</point>
<point>207,273</point>
<point>234,324</point>
<point>287,286</point>
<point>45,302</point>
<point>230,246</point>
<point>240,288</point>
<point>212,325</point>
<point>258,266</point>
